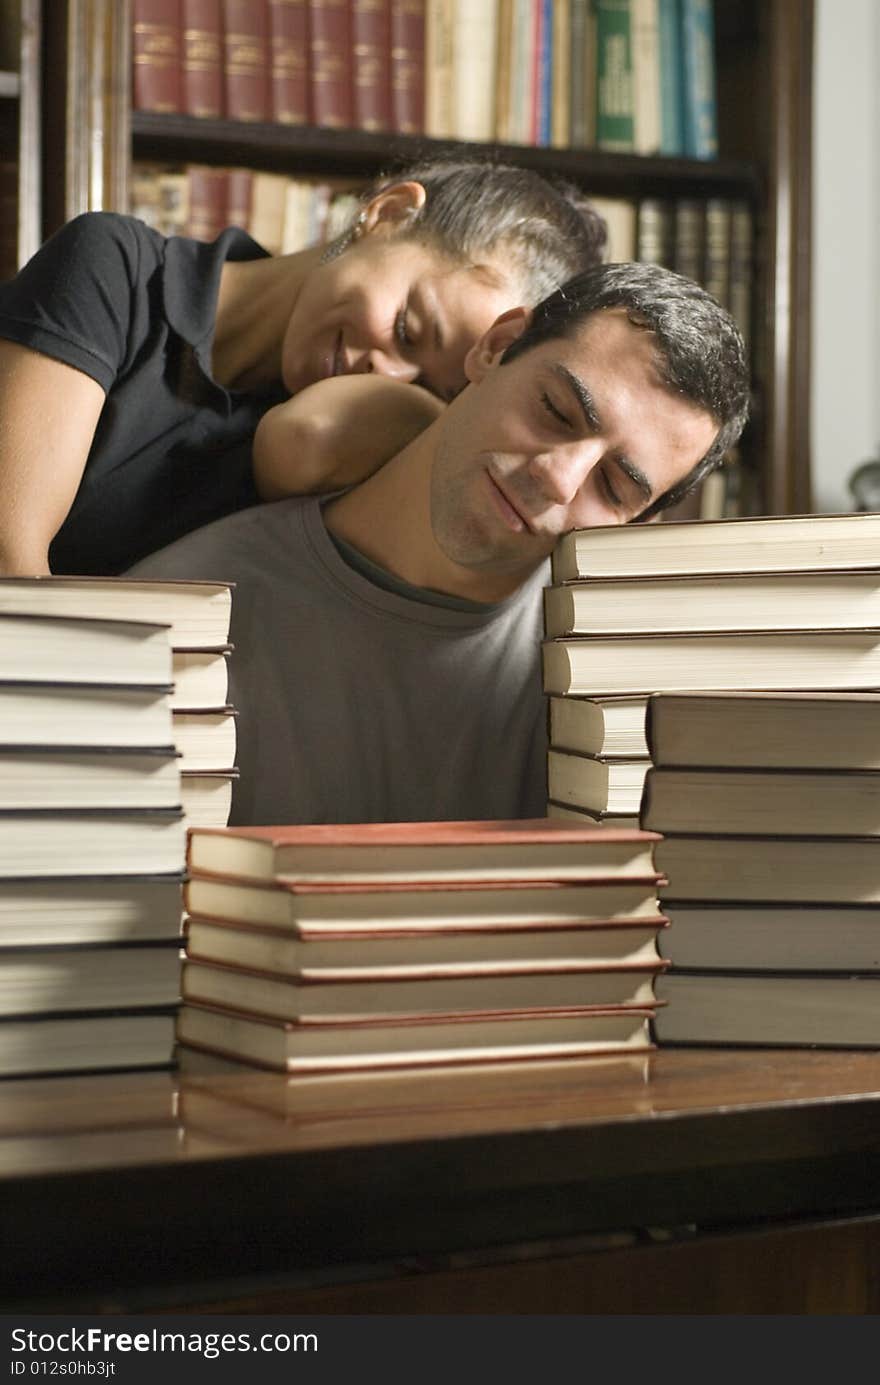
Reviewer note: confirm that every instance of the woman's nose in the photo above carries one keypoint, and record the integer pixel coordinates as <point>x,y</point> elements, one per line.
<point>376,362</point>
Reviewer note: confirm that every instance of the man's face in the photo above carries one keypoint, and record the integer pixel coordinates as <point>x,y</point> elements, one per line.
<point>576,432</point>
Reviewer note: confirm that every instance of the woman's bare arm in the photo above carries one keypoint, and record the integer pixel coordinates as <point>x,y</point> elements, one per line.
<point>337,432</point>
<point>48,415</point>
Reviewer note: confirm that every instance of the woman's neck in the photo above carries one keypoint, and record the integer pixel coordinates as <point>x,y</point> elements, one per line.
<point>254,305</point>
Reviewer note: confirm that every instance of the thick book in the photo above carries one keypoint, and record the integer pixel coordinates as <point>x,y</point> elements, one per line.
<point>369,998</point>
<point>770,543</point>
<point>286,1047</point>
<point>474,54</point>
<point>44,980</point>
<point>206,796</point>
<point>716,250</point>
<point>330,70</point>
<point>615,95</point>
<point>613,726</point>
<point>200,679</point>
<point>352,911</point>
<point>366,910</point>
<point>809,659</point>
<point>156,55</point>
<point>755,802</point>
<point>582,80</point>
<point>205,739</point>
<point>202,58</point>
<point>247,91</point>
<point>688,237</point>
<point>371,64</point>
<point>289,61</point>
<point>781,1010</point>
<point>108,1041</point>
<point>833,600</point>
<point>770,870</point>
<point>439,38</point>
<point>647,118</point>
<point>699,95</point>
<point>49,713</point>
<point>197,613</point>
<point>560,76</point>
<point>38,648</point>
<point>570,813</point>
<point>407,66</point>
<point>772,937</point>
<point>671,111</point>
<point>759,730</point>
<point>90,909</point>
<point>88,777</point>
<point>441,951</point>
<point>490,849</point>
<point>208,197</point>
<point>597,783</point>
<point>239,186</point>
<point>91,843</point>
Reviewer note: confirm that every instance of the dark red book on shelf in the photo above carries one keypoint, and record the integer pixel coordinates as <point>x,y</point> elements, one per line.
<point>207,200</point>
<point>246,73</point>
<point>238,197</point>
<point>371,64</point>
<point>202,58</point>
<point>289,61</point>
<point>407,66</point>
<point>156,56</point>
<point>330,73</point>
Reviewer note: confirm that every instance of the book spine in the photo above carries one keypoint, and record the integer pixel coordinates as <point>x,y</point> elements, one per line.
<point>474,54</point>
<point>246,59</point>
<point>238,197</point>
<point>671,131</point>
<point>700,118</point>
<point>687,252</point>
<point>156,58</point>
<point>615,125</point>
<point>646,75</point>
<point>560,76</point>
<point>439,114</point>
<point>207,194</point>
<point>202,58</point>
<point>407,66</point>
<point>716,253</point>
<point>654,232</point>
<point>371,59</point>
<point>740,269</point>
<point>544,80</point>
<point>330,63</point>
<point>289,61</point>
<point>503,72</point>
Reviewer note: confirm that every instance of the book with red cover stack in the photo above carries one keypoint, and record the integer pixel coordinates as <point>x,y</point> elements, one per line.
<point>330,69</point>
<point>202,58</point>
<point>407,67</point>
<point>156,55</point>
<point>371,63</point>
<point>289,61</point>
<point>246,71</point>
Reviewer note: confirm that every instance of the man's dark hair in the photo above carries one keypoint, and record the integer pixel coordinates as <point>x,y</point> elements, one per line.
<point>700,350</point>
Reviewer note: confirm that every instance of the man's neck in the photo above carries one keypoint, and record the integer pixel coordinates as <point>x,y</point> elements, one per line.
<point>387,518</point>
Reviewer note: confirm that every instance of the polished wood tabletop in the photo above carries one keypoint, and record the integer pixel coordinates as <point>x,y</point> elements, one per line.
<point>192,1171</point>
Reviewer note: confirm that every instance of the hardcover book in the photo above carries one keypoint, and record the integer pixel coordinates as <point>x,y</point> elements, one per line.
<point>407,66</point>
<point>770,870</point>
<point>599,784</point>
<point>772,937</point>
<point>612,726</point>
<point>371,64</point>
<point>156,55</point>
<point>89,909</point>
<point>54,980</point>
<point>754,802</point>
<point>40,648</point>
<point>197,613</point>
<point>289,61</point>
<point>246,70</point>
<point>202,58</point>
<point>330,72</point>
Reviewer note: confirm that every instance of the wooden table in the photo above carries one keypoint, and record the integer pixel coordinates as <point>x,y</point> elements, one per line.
<point>679,1181</point>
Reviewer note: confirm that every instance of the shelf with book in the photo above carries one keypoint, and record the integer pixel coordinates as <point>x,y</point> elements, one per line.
<point>762,57</point>
<point>19,133</point>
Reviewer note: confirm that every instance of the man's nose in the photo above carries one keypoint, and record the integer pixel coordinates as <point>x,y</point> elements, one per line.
<point>561,472</point>
<point>376,362</point>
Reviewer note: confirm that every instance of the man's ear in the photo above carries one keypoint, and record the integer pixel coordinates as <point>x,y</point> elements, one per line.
<point>485,353</point>
<point>392,207</point>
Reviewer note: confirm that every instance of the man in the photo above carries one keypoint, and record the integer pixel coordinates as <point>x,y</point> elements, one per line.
<point>387,641</point>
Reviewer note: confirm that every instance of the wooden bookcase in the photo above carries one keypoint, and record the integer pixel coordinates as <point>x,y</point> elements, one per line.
<point>764,60</point>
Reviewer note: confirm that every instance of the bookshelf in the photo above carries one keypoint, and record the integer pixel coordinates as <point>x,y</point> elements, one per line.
<point>764,67</point>
<point>20,131</point>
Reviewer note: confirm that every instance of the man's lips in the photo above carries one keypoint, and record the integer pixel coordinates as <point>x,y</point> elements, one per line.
<point>512,516</point>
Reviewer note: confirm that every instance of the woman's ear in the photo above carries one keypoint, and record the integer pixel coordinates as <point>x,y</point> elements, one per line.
<point>392,207</point>
<point>486,353</point>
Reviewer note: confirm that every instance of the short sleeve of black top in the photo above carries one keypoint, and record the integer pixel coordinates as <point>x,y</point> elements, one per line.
<point>135,310</point>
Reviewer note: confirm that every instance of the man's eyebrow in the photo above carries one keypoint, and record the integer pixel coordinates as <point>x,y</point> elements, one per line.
<point>588,408</point>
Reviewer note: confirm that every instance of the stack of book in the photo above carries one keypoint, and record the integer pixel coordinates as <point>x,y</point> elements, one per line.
<point>92,848</point>
<point>771,806</point>
<point>759,604</point>
<point>329,948</point>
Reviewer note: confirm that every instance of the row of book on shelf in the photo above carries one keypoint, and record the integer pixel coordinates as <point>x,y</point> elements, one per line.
<point>623,75</point>
<point>708,870</point>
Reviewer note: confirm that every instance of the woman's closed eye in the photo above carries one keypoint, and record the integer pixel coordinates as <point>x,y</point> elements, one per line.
<point>402,327</point>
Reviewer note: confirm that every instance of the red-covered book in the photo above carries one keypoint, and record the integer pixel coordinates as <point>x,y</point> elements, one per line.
<point>202,58</point>
<point>407,66</point>
<point>246,71</point>
<point>371,64</point>
<point>330,68</point>
<point>207,201</point>
<point>496,849</point>
<point>238,197</point>
<point>289,61</point>
<point>156,56</point>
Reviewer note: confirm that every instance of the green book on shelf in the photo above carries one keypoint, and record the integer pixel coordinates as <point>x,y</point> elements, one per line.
<point>615,118</point>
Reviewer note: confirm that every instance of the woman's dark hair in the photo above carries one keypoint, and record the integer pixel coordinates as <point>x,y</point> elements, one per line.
<point>700,350</point>
<point>544,227</point>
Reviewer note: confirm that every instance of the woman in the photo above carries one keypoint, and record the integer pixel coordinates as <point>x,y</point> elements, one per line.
<point>134,369</point>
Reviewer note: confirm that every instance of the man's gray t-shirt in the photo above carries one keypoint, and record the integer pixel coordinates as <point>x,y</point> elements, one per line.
<point>359,704</point>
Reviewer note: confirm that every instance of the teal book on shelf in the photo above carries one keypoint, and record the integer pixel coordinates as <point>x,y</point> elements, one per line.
<point>671,105</point>
<point>699,105</point>
<point>615,109</point>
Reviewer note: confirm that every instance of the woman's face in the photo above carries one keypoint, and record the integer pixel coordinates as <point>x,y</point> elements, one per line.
<point>393,306</point>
